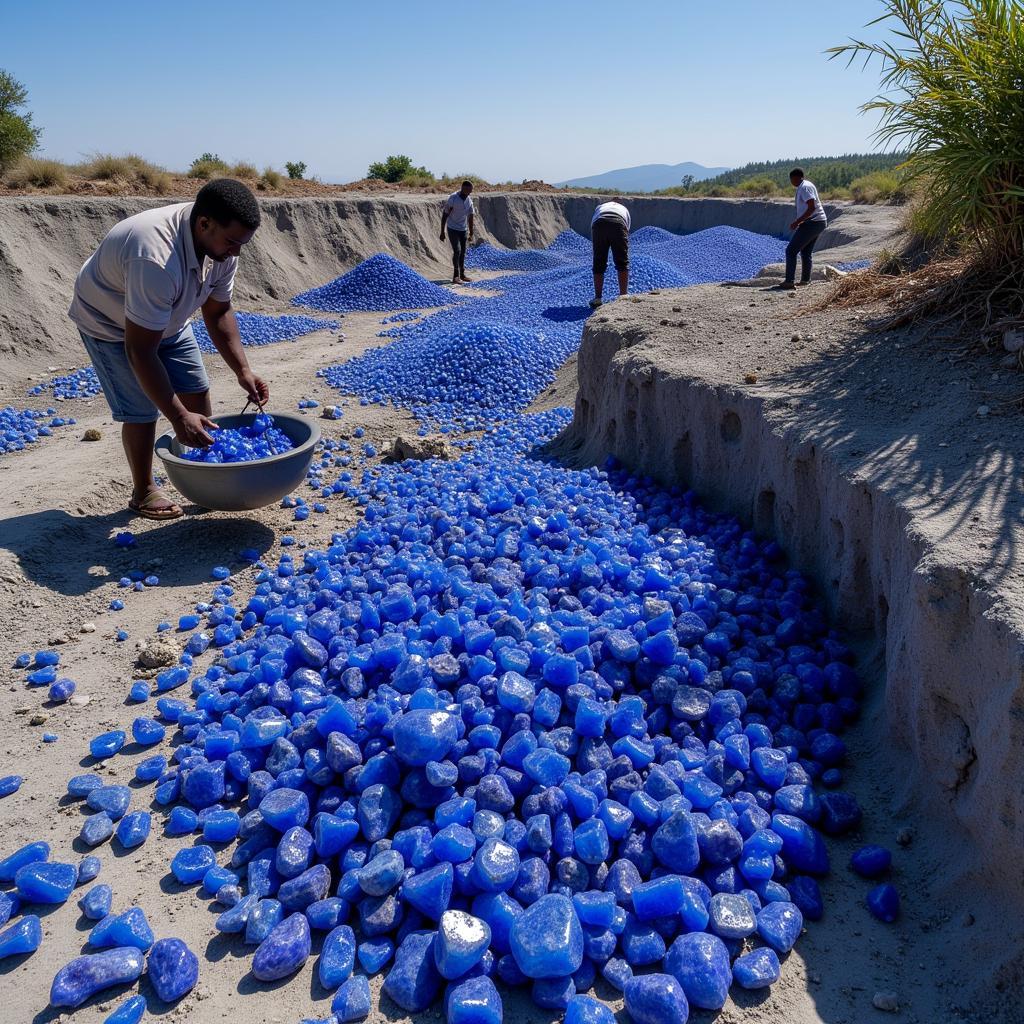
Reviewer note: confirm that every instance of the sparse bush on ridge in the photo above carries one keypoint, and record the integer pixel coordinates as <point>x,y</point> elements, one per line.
<point>130,168</point>
<point>32,172</point>
<point>296,169</point>
<point>269,179</point>
<point>243,170</point>
<point>878,187</point>
<point>207,165</point>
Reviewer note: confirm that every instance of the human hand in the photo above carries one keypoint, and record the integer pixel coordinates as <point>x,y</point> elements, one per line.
<point>191,429</point>
<point>255,387</point>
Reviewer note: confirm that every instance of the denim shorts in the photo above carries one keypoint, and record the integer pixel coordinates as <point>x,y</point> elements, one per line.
<point>128,402</point>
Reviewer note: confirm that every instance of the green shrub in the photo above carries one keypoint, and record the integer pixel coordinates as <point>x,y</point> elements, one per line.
<point>32,172</point>
<point>395,169</point>
<point>18,136</point>
<point>759,185</point>
<point>951,94</point>
<point>207,165</point>
<point>296,169</point>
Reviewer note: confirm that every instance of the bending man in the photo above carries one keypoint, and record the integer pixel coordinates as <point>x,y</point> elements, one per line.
<point>807,228</point>
<point>133,300</point>
<point>458,218</point>
<point>609,229</point>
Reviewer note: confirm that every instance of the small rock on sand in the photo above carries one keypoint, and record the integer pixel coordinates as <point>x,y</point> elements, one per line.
<point>92,434</point>
<point>157,654</point>
<point>887,1001</point>
<point>407,446</point>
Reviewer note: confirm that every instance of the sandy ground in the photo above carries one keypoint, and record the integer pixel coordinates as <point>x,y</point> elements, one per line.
<point>61,504</point>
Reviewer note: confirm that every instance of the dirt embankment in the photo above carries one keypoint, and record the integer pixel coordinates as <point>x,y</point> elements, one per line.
<point>889,467</point>
<point>44,241</point>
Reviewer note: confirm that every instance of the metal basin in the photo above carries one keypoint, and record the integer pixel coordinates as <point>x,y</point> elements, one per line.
<point>241,486</point>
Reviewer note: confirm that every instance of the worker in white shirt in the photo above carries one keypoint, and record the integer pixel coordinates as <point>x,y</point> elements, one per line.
<point>458,219</point>
<point>807,228</point>
<point>609,229</point>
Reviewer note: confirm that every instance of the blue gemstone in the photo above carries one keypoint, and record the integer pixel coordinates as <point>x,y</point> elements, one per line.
<point>96,829</point>
<point>779,925</point>
<point>884,902</point>
<point>284,950</point>
<point>133,829</point>
<point>95,904</point>
<point>352,1001</point>
<point>190,864</point>
<point>173,969</point>
<point>413,981</point>
<point>28,854</point>
<point>337,957</point>
<point>588,1010</point>
<point>461,942</point>
<point>700,963</point>
<point>421,736</point>
<point>871,861</point>
<point>655,998</point>
<point>547,939</point>
<point>84,976</point>
<point>45,882</point>
<point>128,929</point>
<point>757,969</point>
<point>24,936</point>
<point>131,1011</point>
<point>473,1001</point>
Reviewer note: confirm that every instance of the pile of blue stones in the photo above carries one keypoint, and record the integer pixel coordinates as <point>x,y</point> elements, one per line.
<point>480,362</point>
<point>21,427</point>
<point>379,284</point>
<point>258,329</point>
<point>523,725</point>
<point>260,440</point>
<point>81,383</point>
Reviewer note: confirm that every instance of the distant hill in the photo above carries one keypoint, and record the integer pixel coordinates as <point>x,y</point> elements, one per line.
<point>827,172</point>
<point>645,178</point>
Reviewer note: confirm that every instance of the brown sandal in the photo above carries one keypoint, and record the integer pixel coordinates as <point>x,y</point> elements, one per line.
<point>156,505</point>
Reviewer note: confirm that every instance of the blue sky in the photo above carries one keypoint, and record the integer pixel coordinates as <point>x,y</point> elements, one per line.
<point>525,89</point>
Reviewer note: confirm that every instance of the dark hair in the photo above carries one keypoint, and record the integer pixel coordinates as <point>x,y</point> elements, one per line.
<point>797,172</point>
<point>467,182</point>
<point>226,200</point>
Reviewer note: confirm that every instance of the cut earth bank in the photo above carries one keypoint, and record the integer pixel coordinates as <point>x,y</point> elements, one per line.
<point>950,957</point>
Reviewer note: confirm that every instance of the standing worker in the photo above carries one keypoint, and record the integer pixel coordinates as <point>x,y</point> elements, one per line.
<point>609,229</point>
<point>807,228</point>
<point>133,300</point>
<point>458,217</point>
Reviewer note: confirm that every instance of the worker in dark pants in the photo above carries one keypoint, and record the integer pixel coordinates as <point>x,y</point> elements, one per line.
<point>807,228</point>
<point>609,229</point>
<point>458,219</point>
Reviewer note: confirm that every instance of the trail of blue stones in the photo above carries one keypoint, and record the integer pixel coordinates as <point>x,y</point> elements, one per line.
<point>480,362</point>
<point>258,329</point>
<point>20,428</point>
<point>522,726</point>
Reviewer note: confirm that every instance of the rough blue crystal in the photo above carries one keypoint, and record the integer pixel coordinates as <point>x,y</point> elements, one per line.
<point>284,950</point>
<point>884,902</point>
<point>133,829</point>
<point>173,969</point>
<point>700,963</point>
<point>461,942</point>
<point>46,882</point>
<point>655,998</point>
<point>757,969</point>
<point>547,939</point>
<point>422,735</point>
<point>337,957</point>
<point>86,975</point>
<point>352,1001</point>
<point>28,854</point>
<point>588,1010</point>
<point>779,925</point>
<point>24,936</point>
<point>127,929</point>
<point>473,1001</point>
<point>95,904</point>
<point>413,981</point>
<point>131,1011</point>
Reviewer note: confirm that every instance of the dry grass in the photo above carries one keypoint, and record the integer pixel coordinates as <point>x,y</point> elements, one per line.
<point>32,172</point>
<point>270,179</point>
<point>243,170</point>
<point>208,169</point>
<point>130,168</point>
